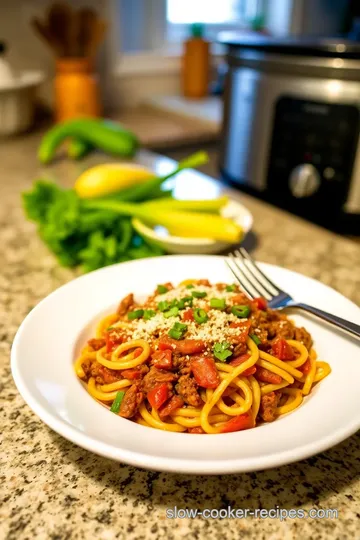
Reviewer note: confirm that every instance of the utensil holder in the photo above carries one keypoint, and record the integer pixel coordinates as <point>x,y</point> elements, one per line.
<point>76,89</point>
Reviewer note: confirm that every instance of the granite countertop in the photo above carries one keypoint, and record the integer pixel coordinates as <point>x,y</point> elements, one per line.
<point>51,489</point>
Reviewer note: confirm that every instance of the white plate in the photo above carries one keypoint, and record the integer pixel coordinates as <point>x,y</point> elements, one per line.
<point>52,334</point>
<point>177,244</point>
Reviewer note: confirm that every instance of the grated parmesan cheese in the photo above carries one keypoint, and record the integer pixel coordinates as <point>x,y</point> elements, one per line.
<point>181,291</point>
<point>215,329</point>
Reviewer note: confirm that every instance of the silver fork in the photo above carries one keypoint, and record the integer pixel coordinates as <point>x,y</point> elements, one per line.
<point>255,283</point>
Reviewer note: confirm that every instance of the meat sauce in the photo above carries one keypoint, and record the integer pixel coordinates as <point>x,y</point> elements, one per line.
<point>185,366</point>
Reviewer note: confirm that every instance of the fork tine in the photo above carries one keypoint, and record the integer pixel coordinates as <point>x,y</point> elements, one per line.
<point>240,276</point>
<point>265,281</point>
<point>251,279</point>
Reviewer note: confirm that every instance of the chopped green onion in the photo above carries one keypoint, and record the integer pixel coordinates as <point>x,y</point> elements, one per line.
<point>198,294</point>
<point>255,339</point>
<point>190,286</point>
<point>163,306</point>
<point>177,331</point>
<point>218,303</point>
<point>172,312</point>
<point>221,351</point>
<point>137,314</point>
<point>230,288</point>
<point>241,311</point>
<point>161,289</point>
<point>200,316</point>
<point>149,314</point>
<point>185,302</point>
<point>115,407</point>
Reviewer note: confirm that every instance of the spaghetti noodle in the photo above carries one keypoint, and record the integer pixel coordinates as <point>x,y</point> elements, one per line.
<point>199,358</point>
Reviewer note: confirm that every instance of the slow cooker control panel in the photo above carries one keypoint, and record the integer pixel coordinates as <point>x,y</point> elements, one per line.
<point>304,180</point>
<point>312,154</point>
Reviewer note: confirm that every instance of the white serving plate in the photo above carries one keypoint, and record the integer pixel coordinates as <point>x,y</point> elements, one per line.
<point>51,336</point>
<point>203,246</point>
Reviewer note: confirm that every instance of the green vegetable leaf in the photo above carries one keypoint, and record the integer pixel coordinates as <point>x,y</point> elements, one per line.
<point>200,316</point>
<point>163,305</point>
<point>222,351</point>
<point>242,312</point>
<point>172,312</point>
<point>255,339</point>
<point>161,289</point>
<point>230,288</point>
<point>178,331</point>
<point>198,294</point>
<point>184,302</point>
<point>218,303</point>
<point>115,407</point>
<point>137,314</point>
<point>38,201</point>
<point>149,314</point>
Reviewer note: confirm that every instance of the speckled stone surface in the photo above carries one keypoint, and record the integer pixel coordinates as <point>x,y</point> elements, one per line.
<point>51,489</point>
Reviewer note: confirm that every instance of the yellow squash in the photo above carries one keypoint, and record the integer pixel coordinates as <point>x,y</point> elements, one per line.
<point>108,178</point>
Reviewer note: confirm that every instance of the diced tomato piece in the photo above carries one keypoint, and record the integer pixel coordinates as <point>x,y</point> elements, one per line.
<point>282,350</point>
<point>158,395</point>
<point>174,403</point>
<point>205,372</point>
<point>204,282</point>
<point>244,324</point>
<point>182,346</point>
<point>188,315</point>
<point>239,360</point>
<point>113,339</point>
<point>238,423</point>
<point>197,429</point>
<point>305,368</point>
<point>260,303</point>
<point>162,359</point>
<point>132,373</point>
<point>249,371</point>
<point>244,330</point>
<point>137,352</point>
<point>189,346</point>
<point>169,285</point>
<point>165,344</point>
<point>267,376</point>
<point>110,343</point>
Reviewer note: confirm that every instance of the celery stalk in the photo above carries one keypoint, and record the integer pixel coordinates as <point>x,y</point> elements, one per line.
<point>191,224</point>
<point>207,205</point>
<point>142,191</point>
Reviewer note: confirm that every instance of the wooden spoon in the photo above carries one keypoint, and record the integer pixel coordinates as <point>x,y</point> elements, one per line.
<point>96,38</point>
<point>87,19</point>
<point>59,22</point>
<point>44,32</point>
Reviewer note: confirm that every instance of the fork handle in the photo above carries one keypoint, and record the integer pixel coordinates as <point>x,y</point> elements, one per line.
<point>350,327</point>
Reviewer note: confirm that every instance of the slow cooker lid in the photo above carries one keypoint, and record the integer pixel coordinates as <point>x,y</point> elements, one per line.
<point>321,47</point>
